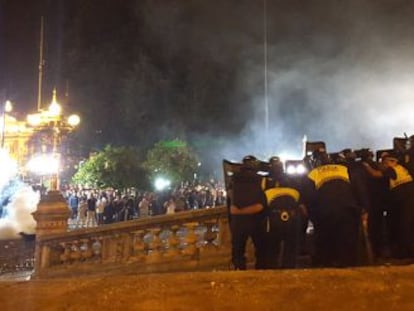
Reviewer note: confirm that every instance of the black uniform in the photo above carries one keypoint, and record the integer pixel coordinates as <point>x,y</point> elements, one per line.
<point>379,215</point>
<point>402,194</point>
<point>335,214</point>
<point>283,212</point>
<point>247,191</point>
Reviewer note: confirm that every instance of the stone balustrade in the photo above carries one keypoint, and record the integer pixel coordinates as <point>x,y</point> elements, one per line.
<point>185,241</point>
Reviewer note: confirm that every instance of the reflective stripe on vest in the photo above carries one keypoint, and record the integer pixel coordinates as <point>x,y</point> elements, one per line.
<point>403,176</point>
<point>325,173</point>
<point>274,193</point>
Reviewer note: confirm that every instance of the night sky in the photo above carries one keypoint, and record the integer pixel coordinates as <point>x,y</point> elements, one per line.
<point>339,71</point>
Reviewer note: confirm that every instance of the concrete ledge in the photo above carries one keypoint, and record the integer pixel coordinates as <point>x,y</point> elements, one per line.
<point>373,288</point>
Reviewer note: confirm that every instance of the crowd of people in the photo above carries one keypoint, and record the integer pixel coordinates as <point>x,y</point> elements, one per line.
<point>361,209</point>
<point>92,207</point>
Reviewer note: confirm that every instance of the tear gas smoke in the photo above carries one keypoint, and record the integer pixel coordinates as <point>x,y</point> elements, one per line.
<point>17,201</point>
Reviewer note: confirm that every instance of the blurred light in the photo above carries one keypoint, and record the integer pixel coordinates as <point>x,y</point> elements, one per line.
<point>301,169</point>
<point>55,109</point>
<point>73,120</point>
<point>34,119</point>
<point>8,106</point>
<point>291,169</point>
<point>45,164</point>
<point>161,183</point>
<point>295,169</point>
<point>8,167</point>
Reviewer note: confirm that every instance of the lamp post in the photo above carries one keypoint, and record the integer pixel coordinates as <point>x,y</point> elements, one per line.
<point>7,107</point>
<point>57,125</point>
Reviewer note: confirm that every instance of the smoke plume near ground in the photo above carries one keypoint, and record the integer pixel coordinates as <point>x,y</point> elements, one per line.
<point>18,202</point>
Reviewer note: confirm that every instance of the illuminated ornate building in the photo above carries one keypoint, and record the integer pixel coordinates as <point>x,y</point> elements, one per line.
<point>17,135</point>
<point>39,135</point>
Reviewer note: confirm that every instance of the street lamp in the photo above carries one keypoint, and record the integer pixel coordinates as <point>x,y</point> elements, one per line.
<point>57,125</point>
<point>7,107</point>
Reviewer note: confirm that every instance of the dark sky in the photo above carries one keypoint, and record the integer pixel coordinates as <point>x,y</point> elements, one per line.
<point>340,71</point>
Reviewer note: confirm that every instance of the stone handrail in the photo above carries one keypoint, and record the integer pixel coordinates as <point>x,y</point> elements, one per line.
<point>190,240</point>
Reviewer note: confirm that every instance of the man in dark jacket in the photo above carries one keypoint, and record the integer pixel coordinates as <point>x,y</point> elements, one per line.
<point>247,217</point>
<point>401,187</point>
<point>333,207</point>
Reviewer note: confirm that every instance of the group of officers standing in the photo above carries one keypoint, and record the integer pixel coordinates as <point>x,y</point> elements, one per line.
<point>359,208</point>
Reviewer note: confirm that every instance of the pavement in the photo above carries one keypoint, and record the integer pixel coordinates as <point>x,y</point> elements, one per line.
<point>365,288</point>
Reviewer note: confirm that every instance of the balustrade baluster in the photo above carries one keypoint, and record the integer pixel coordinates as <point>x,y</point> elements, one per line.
<point>97,247</point>
<point>86,249</point>
<point>138,245</point>
<point>173,243</point>
<point>65,256</point>
<point>211,234</point>
<point>191,239</point>
<point>75,253</point>
<point>154,251</point>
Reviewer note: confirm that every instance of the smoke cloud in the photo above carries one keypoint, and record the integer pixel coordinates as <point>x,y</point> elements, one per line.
<point>341,73</point>
<point>17,202</point>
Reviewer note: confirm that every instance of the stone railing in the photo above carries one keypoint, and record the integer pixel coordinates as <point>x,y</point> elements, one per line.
<point>191,240</point>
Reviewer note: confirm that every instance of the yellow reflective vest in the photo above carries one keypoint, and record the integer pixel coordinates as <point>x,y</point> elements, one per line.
<point>325,173</point>
<point>403,176</point>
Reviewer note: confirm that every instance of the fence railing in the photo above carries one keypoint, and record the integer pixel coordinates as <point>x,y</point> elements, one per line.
<point>191,240</point>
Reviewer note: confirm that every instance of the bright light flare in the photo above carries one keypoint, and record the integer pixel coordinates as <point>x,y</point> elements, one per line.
<point>34,119</point>
<point>46,164</point>
<point>8,168</point>
<point>55,109</point>
<point>73,120</point>
<point>8,106</point>
<point>296,169</point>
<point>161,183</point>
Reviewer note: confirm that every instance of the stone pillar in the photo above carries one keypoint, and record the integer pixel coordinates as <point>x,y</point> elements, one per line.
<point>51,218</point>
<point>52,214</point>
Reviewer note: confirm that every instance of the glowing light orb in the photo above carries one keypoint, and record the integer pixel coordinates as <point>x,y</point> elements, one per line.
<point>161,183</point>
<point>45,164</point>
<point>74,120</point>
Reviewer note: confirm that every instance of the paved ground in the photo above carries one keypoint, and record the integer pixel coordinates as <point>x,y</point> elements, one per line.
<point>376,288</point>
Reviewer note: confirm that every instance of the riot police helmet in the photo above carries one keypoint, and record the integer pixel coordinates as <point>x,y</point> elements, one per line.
<point>389,155</point>
<point>320,157</point>
<point>249,158</point>
<point>276,166</point>
<point>411,142</point>
<point>249,161</point>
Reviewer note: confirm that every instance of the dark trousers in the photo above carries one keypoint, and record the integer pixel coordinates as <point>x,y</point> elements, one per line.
<point>336,239</point>
<point>406,230</point>
<point>242,227</point>
<point>282,245</point>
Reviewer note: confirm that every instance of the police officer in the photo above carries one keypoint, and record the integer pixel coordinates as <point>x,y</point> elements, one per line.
<point>334,212</point>
<point>409,156</point>
<point>247,214</point>
<point>378,207</point>
<point>401,187</point>
<point>284,206</point>
<point>371,224</point>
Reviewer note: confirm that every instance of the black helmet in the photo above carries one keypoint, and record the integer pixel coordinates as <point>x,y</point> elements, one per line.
<point>392,155</point>
<point>249,158</point>
<point>320,157</point>
<point>277,167</point>
<point>274,159</point>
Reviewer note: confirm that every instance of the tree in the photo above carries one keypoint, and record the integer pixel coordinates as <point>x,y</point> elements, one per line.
<point>172,159</point>
<point>119,168</point>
